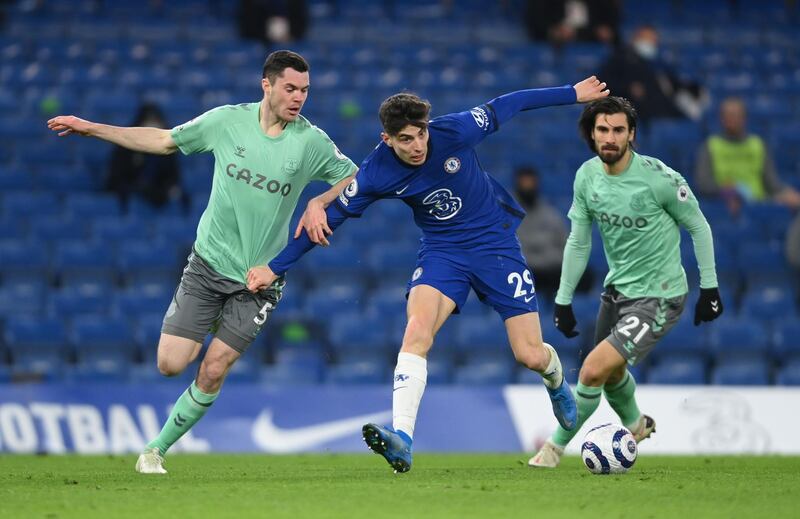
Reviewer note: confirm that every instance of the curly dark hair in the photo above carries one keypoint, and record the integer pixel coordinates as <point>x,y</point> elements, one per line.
<point>607,105</point>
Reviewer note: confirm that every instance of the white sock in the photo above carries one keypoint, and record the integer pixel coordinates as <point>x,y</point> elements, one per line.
<point>410,377</point>
<point>553,375</point>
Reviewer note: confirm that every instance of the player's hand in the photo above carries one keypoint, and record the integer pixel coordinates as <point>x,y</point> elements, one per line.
<point>708,307</point>
<point>590,89</point>
<point>68,124</point>
<point>259,278</point>
<point>315,223</point>
<point>565,321</point>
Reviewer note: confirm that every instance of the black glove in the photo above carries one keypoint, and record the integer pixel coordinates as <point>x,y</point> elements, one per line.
<point>708,307</point>
<point>565,321</point>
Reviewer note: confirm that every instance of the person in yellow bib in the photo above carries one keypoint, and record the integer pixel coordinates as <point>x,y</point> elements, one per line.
<point>738,166</point>
<point>265,153</point>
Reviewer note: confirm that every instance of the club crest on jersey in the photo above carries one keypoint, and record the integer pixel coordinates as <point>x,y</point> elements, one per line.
<point>480,116</point>
<point>452,165</point>
<point>637,202</point>
<point>417,273</point>
<point>290,166</point>
<point>683,193</point>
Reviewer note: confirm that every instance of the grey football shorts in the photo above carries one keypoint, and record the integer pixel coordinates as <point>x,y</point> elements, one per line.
<point>634,326</point>
<point>206,302</point>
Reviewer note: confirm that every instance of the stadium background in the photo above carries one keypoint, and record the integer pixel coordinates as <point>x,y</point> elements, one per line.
<point>84,283</point>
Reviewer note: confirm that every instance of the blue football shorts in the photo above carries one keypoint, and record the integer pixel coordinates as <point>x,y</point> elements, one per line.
<point>499,276</point>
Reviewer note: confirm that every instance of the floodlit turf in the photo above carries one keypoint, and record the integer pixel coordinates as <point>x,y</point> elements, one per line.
<point>485,486</point>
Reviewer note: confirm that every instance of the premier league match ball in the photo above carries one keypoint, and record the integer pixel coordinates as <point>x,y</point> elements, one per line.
<point>609,449</point>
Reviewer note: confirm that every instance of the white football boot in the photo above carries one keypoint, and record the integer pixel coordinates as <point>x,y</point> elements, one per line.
<point>150,462</point>
<point>548,456</point>
<point>643,428</point>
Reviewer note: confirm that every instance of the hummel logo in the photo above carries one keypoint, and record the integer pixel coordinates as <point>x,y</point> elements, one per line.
<point>402,190</point>
<point>240,151</point>
<point>179,420</point>
<point>715,306</point>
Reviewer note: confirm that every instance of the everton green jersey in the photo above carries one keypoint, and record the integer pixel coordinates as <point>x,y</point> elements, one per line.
<point>639,213</point>
<point>257,181</point>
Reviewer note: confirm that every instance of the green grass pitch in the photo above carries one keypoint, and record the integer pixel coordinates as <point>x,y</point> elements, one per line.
<point>352,486</point>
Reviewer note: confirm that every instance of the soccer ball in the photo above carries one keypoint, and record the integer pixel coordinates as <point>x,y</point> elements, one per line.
<point>609,449</point>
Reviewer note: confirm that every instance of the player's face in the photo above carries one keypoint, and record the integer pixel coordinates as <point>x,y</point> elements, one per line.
<point>611,137</point>
<point>410,144</point>
<point>287,95</point>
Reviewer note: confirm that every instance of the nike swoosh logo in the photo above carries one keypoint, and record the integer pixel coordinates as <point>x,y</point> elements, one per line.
<point>402,190</point>
<point>271,438</point>
<point>528,299</point>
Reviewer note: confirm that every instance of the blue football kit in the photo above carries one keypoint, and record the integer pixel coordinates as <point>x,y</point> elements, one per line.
<point>467,218</point>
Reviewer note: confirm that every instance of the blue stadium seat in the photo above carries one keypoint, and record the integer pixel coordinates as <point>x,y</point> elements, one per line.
<point>22,204</point>
<point>789,375</point>
<point>146,334</point>
<point>112,230</point>
<point>323,302</point>
<point>54,228</point>
<point>37,345</point>
<point>21,298</point>
<point>91,206</point>
<point>356,335</point>
<point>390,301</point>
<point>179,231</point>
<point>82,262</point>
<point>23,261</point>
<point>142,299</point>
<point>282,375</point>
<point>366,371</point>
<point>741,373</point>
<point>439,372</point>
<point>486,333</point>
<point>484,373</point>
<point>731,338</point>
<point>768,303</point>
<point>103,348</point>
<point>141,261</point>
<point>786,340</point>
<point>15,179</point>
<point>79,299</point>
<point>683,370</point>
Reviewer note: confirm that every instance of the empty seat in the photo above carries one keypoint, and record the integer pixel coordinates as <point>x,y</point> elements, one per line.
<point>678,371</point>
<point>750,372</point>
<point>37,345</point>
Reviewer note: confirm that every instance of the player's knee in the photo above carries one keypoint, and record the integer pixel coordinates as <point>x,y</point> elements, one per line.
<point>535,359</point>
<point>170,367</point>
<point>592,375</point>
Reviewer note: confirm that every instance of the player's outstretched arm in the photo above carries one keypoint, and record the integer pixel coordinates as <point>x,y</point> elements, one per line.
<point>508,105</point>
<point>314,219</point>
<point>590,89</point>
<point>148,140</point>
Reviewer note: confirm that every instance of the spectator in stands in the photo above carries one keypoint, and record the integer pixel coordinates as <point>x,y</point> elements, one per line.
<point>273,21</point>
<point>737,165</point>
<point>542,234</point>
<point>564,21</point>
<point>637,73</point>
<point>154,178</point>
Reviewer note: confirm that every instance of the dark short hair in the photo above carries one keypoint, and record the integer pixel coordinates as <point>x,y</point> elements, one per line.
<point>279,61</point>
<point>400,110</point>
<point>607,105</point>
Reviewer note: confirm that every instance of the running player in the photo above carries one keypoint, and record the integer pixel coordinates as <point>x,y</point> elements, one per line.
<point>639,205</point>
<point>468,222</point>
<point>265,154</point>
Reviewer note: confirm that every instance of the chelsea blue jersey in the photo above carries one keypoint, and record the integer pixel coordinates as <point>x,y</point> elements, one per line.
<point>453,199</point>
